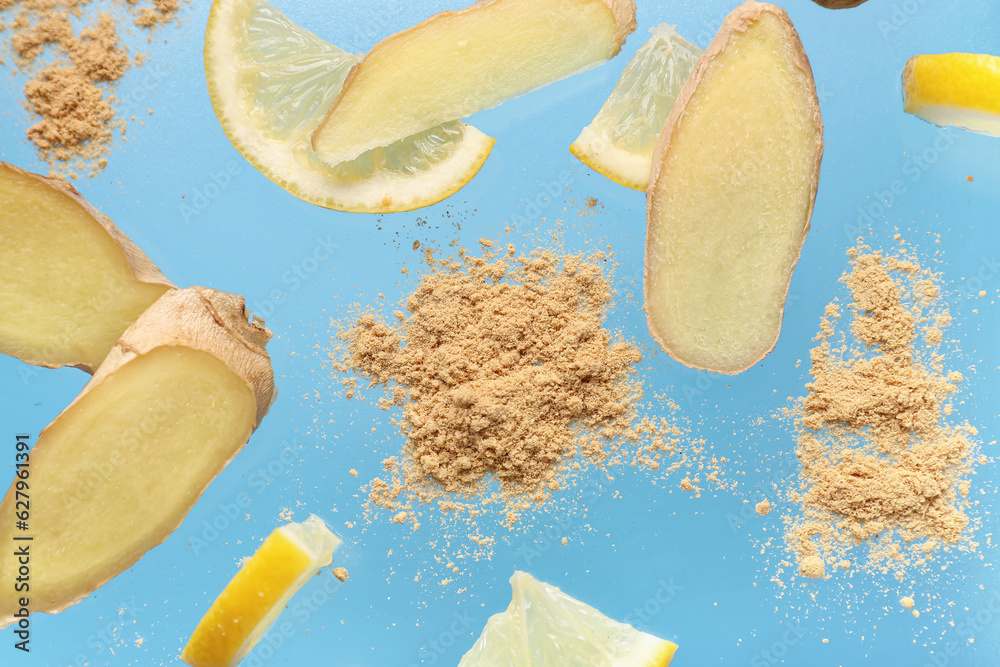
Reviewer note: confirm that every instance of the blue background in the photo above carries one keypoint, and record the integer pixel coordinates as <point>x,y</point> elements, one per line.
<point>630,541</point>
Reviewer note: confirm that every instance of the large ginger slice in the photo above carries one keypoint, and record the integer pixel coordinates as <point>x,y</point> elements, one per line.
<point>70,281</point>
<point>459,62</point>
<point>116,472</point>
<point>732,188</point>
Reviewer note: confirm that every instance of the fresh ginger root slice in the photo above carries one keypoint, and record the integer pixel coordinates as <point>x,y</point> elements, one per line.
<point>732,188</point>
<point>116,472</point>
<point>459,62</point>
<point>70,281</point>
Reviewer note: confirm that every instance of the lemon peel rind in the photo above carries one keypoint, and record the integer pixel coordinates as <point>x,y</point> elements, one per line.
<point>307,546</point>
<point>652,651</point>
<point>935,89</point>
<point>275,158</point>
<point>597,151</point>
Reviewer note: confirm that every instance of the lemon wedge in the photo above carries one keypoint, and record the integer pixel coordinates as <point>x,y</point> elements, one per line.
<point>255,596</point>
<point>619,142</point>
<point>960,89</point>
<point>271,82</point>
<point>544,626</point>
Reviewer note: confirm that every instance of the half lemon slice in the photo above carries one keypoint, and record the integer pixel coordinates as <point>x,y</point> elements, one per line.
<point>255,596</point>
<point>960,89</point>
<point>544,626</point>
<point>271,83</point>
<point>619,142</point>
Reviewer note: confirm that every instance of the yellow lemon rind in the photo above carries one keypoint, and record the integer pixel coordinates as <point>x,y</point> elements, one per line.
<point>290,165</point>
<point>957,89</point>
<point>597,151</point>
<point>255,596</point>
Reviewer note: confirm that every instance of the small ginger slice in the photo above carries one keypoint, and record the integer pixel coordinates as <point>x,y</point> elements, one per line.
<point>732,188</point>
<point>70,281</point>
<point>116,472</point>
<point>459,62</point>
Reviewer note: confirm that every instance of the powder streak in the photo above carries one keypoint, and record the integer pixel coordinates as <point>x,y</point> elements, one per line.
<point>881,465</point>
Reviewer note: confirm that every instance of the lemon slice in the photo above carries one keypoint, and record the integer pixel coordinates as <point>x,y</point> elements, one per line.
<point>254,598</point>
<point>544,626</point>
<point>960,89</point>
<point>619,142</point>
<point>271,83</point>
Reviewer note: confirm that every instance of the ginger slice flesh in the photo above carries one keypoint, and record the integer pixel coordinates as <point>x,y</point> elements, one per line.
<point>116,472</point>
<point>120,468</point>
<point>733,184</point>
<point>459,62</point>
<point>70,282</point>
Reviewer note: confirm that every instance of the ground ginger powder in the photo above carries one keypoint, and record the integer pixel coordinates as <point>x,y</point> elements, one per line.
<point>883,468</point>
<point>70,93</point>
<point>504,371</point>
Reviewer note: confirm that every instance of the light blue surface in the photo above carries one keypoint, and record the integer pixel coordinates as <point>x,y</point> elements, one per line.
<point>637,540</point>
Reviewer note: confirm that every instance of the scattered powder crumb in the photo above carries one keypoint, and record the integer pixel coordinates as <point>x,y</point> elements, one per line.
<point>353,472</point>
<point>763,508</point>
<point>565,541</point>
<point>907,602</point>
<point>882,467</point>
<point>162,11</point>
<point>812,567</point>
<point>340,573</point>
<point>969,178</point>
<point>72,73</point>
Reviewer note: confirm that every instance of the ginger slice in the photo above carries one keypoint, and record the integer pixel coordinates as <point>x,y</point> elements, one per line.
<point>459,62</point>
<point>116,472</point>
<point>70,281</point>
<point>732,188</point>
